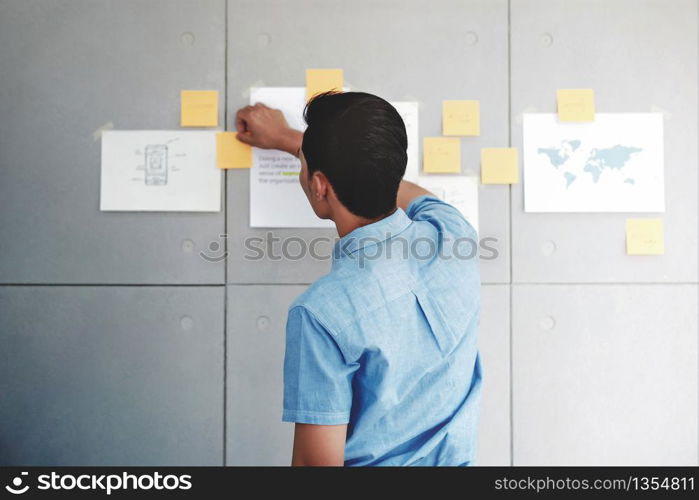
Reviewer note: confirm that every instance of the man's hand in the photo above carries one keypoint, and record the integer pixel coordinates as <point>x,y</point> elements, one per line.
<point>265,127</point>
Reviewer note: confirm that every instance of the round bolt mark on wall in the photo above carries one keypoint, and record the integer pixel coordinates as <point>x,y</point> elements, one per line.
<point>471,38</point>
<point>187,246</point>
<point>263,40</point>
<point>547,323</point>
<point>546,39</point>
<point>548,248</point>
<point>262,323</point>
<point>187,39</point>
<point>186,322</point>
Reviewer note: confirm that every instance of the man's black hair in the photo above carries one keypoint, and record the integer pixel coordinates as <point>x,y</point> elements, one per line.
<point>358,141</point>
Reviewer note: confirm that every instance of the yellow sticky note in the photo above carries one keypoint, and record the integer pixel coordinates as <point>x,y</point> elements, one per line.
<point>441,155</point>
<point>499,166</point>
<point>231,153</point>
<point>461,118</point>
<point>576,105</point>
<point>645,237</point>
<point>199,108</point>
<point>322,80</point>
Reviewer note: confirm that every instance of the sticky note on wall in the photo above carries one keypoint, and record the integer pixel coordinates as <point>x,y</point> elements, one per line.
<point>199,108</point>
<point>441,155</point>
<point>645,237</point>
<point>323,80</point>
<point>575,105</point>
<point>231,153</point>
<point>499,166</point>
<point>461,118</point>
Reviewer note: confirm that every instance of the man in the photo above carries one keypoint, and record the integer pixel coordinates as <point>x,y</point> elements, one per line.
<point>381,364</point>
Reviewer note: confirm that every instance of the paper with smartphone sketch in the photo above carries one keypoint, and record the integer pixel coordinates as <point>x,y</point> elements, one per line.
<point>159,170</point>
<point>276,197</point>
<point>461,191</point>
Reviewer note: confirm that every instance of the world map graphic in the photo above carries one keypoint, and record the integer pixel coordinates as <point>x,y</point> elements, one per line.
<point>595,162</point>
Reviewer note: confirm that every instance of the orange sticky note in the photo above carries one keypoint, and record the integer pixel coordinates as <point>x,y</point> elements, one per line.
<point>576,105</point>
<point>199,108</point>
<point>323,80</point>
<point>461,118</point>
<point>231,153</point>
<point>499,166</point>
<point>645,237</point>
<point>441,155</point>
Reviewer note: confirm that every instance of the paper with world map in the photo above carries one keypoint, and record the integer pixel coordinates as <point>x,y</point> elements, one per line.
<point>612,164</point>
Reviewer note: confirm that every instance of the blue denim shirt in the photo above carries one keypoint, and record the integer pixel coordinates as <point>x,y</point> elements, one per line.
<point>386,342</point>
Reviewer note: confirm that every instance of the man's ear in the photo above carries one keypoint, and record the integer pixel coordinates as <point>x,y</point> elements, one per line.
<point>319,186</point>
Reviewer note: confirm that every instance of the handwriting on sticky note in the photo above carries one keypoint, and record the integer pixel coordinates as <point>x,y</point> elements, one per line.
<point>576,105</point>
<point>645,237</point>
<point>323,80</point>
<point>461,118</point>
<point>231,153</point>
<point>441,155</point>
<point>499,166</point>
<point>199,108</point>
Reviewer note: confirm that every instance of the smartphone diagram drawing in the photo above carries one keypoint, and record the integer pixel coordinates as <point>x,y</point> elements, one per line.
<point>156,165</point>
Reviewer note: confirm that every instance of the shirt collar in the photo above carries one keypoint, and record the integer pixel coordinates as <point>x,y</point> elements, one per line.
<point>371,234</point>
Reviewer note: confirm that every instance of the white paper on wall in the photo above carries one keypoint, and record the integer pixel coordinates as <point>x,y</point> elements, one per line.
<point>409,112</point>
<point>613,164</point>
<point>159,170</point>
<point>461,191</point>
<point>276,197</point>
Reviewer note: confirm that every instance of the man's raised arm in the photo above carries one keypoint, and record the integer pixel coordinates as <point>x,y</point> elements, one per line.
<point>265,127</point>
<point>408,191</point>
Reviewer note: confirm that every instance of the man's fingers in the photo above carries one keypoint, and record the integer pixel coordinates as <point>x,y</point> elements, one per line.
<point>245,137</point>
<point>240,124</point>
<point>241,118</point>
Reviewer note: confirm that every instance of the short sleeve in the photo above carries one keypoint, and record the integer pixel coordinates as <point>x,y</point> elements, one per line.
<point>317,380</point>
<point>441,214</point>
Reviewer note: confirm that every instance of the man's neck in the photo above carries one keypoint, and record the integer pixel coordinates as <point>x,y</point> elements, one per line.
<point>346,223</point>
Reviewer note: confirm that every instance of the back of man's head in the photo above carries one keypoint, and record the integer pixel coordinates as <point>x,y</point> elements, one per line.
<point>359,142</point>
